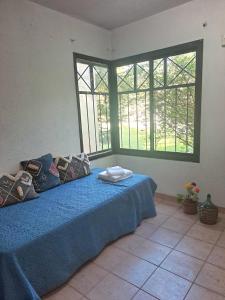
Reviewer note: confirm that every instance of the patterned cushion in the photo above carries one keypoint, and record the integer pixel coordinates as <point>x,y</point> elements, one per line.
<point>73,168</point>
<point>18,188</point>
<point>44,172</point>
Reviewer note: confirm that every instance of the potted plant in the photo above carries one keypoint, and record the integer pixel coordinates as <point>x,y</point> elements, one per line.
<point>190,199</point>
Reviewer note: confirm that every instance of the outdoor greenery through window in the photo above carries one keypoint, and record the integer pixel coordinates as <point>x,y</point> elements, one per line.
<point>93,93</point>
<point>154,98</point>
<point>173,104</point>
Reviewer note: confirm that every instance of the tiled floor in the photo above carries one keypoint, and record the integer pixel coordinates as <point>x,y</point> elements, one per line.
<point>170,257</point>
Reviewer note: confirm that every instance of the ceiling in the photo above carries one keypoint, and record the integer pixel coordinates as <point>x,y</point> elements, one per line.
<point>110,14</point>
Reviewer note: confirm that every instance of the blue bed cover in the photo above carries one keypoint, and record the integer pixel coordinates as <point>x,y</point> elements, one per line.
<point>45,240</point>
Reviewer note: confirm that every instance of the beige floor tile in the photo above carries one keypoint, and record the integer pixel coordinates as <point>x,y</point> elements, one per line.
<point>141,295</point>
<point>110,257</point>
<point>146,229</point>
<point>166,237</point>
<point>112,288</point>
<point>212,278</point>
<point>221,241</point>
<point>178,225</point>
<point>217,257</point>
<point>157,220</point>
<point>179,214</point>
<point>167,286</point>
<point>203,233</point>
<point>197,293</point>
<point>182,265</point>
<point>196,248</point>
<point>65,293</point>
<point>133,269</point>
<point>127,266</point>
<point>87,278</point>
<point>130,242</point>
<point>145,249</point>
<point>166,209</point>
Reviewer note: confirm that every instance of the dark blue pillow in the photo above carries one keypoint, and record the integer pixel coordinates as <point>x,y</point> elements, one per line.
<point>44,172</point>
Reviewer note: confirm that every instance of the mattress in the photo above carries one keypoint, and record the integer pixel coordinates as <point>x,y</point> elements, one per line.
<point>45,240</point>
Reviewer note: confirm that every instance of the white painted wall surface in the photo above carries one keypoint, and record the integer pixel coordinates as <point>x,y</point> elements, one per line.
<point>38,112</point>
<point>172,27</point>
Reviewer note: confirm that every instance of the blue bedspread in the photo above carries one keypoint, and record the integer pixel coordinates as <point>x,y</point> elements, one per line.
<point>44,241</point>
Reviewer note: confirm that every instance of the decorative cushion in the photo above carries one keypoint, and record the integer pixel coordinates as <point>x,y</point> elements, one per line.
<point>18,188</point>
<point>44,172</point>
<point>72,168</point>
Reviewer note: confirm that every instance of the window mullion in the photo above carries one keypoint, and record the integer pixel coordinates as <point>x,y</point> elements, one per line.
<point>152,106</point>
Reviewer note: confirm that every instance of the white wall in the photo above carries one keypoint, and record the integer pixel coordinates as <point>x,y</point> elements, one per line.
<point>172,27</point>
<point>38,112</point>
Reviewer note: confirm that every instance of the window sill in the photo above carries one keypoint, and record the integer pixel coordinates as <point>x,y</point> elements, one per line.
<point>160,155</point>
<point>96,155</point>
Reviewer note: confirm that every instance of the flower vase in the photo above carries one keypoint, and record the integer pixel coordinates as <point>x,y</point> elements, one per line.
<point>190,206</point>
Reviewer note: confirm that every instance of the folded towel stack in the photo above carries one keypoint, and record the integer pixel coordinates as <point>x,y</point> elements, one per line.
<point>115,174</point>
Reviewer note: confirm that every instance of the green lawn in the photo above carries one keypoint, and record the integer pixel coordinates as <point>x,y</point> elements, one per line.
<point>170,141</point>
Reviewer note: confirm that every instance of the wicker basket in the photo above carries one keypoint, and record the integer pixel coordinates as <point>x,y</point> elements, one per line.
<point>190,207</point>
<point>208,215</point>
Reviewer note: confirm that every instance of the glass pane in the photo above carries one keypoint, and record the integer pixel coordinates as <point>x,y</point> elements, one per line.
<point>174,120</point>
<point>158,72</point>
<point>142,75</point>
<point>159,121</point>
<point>170,115</point>
<point>84,123</point>
<point>124,121</point>
<point>103,123</point>
<point>133,125</point>
<point>92,120</point>
<point>100,79</point>
<point>125,78</point>
<point>181,69</point>
<point>143,113</point>
<point>185,119</point>
<point>83,74</point>
<point>134,117</point>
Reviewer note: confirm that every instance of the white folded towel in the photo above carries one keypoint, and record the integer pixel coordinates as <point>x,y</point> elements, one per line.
<point>115,171</point>
<point>115,178</point>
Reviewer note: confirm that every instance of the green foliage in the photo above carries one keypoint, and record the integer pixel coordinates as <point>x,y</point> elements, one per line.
<point>173,107</point>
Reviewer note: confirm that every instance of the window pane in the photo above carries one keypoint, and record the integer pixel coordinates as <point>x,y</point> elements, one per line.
<point>83,74</point>
<point>159,121</point>
<point>174,120</point>
<point>158,72</point>
<point>125,78</point>
<point>100,79</point>
<point>185,120</point>
<point>103,121</point>
<point>84,123</point>
<point>134,117</point>
<point>143,112</point>
<point>94,106</point>
<point>142,69</point>
<point>181,69</point>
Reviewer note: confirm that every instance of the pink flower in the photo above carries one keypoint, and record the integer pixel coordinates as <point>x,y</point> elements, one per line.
<point>196,189</point>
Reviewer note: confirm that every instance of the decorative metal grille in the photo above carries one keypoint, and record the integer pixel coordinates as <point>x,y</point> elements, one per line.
<point>94,107</point>
<point>156,104</point>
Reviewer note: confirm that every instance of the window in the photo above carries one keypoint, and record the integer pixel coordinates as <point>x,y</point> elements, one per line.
<point>158,100</point>
<point>154,100</point>
<point>92,83</point>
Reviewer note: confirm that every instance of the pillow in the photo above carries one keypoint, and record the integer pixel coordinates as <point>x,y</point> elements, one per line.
<point>72,168</point>
<point>44,172</point>
<point>18,188</point>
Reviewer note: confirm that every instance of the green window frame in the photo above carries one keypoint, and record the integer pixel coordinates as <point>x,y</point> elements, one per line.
<point>92,90</point>
<point>155,103</point>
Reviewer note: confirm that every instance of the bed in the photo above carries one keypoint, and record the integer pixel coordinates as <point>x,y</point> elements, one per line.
<point>45,240</point>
